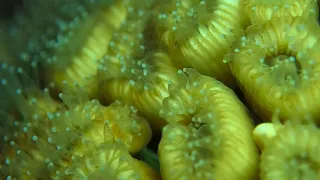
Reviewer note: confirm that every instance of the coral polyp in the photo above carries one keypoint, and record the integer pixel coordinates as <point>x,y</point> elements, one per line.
<point>68,132</point>
<point>197,34</point>
<point>68,39</point>
<point>116,122</point>
<point>260,11</point>
<point>112,161</point>
<point>134,75</point>
<point>209,132</point>
<point>290,151</point>
<point>277,67</point>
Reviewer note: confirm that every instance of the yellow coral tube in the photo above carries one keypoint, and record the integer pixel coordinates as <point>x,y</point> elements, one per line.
<point>277,67</point>
<point>116,122</point>
<point>144,85</point>
<point>67,40</point>
<point>209,133</point>
<point>133,74</point>
<point>52,141</point>
<point>112,161</point>
<point>292,152</point>
<point>260,11</point>
<point>197,34</point>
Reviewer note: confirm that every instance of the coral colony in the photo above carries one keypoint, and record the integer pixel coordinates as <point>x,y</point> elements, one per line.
<point>151,90</point>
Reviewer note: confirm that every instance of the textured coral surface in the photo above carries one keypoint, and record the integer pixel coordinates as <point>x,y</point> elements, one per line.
<point>148,89</point>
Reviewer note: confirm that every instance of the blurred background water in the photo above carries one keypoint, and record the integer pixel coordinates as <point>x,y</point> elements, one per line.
<point>7,7</point>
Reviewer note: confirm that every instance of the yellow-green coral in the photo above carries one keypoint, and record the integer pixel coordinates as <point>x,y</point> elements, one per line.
<point>53,138</point>
<point>199,33</point>
<point>289,151</point>
<point>58,124</point>
<point>277,66</point>
<point>209,132</point>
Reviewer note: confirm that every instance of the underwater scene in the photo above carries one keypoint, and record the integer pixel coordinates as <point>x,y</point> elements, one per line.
<point>159,90</point>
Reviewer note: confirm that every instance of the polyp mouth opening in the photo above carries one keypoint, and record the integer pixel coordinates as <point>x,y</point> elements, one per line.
<point>285,67</point>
